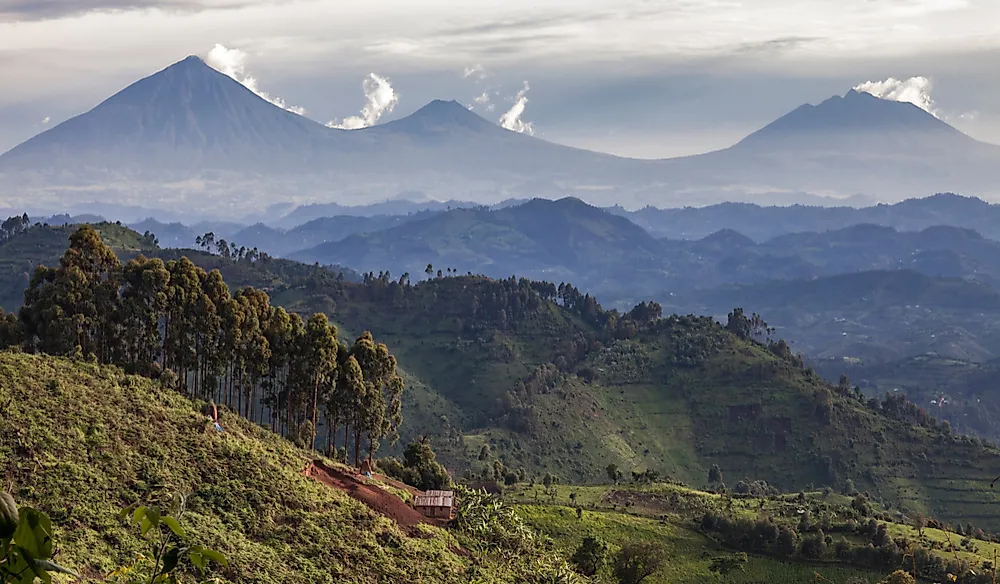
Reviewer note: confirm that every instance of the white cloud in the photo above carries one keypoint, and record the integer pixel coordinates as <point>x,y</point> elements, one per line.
<point>511,119</point>
<point>232,62</point>
<point>380,98</point>
<point>478,70</point>
<point>484,101</point>
<point>915,90</point>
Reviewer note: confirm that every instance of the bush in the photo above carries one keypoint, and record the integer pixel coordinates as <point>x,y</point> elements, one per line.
<point>419,467</point>
<point>634,562</point>
<point>590,556</point>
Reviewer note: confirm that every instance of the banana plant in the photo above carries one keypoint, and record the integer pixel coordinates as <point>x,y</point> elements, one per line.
<point>25,545</point>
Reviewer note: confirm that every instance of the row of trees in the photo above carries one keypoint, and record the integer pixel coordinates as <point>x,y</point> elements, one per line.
<point>175,321</point>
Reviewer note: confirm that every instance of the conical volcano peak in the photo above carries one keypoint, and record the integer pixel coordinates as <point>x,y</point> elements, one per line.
<point>858,115</point>
<point>441,116</point>
<point>191,61</point>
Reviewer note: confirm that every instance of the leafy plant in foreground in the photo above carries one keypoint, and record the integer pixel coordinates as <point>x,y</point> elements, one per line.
<point>25,544</point>
<point>167,546</point>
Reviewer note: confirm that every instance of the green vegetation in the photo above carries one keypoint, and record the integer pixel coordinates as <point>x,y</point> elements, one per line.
<point>24,249</point>
<point>567,388</point>
<point>784,537</point>
<point>553,383</point>
<point>961,392</point>
<point>82,441</point>
<point>516,380</point>
<point>163,319</point>
<point>25,544</point>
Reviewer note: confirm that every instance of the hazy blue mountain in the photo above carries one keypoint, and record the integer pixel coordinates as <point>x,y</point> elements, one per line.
<point>875,316</point>
<point>190,137</point>
<point>564,240</point>
<point>282,242</point>
<point>762,223</point>
<point>168,234</point>
<point>187,117</point>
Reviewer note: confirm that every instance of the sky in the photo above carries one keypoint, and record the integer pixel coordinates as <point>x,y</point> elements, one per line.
<point>638,78</point>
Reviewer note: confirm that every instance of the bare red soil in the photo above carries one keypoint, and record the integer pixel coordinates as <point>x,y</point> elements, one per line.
<point>378,499</point>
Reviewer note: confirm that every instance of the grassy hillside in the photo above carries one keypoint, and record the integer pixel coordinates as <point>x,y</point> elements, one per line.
<point>674,515</point>
<point>80,442</point>
<point>876,316</point>
<point>549,393</point>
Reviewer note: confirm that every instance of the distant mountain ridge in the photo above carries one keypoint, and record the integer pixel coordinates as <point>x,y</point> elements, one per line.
<point>192,136</point>
<point>761,223</point>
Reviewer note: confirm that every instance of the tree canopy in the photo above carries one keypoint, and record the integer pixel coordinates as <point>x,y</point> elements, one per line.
<point>151,317</point>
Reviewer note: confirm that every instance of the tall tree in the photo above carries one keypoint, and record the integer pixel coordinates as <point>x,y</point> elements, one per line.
<point>352,381</point>
<point>73,308</point>
<point>383,388</point>
<point>145,285</point>
<point>320,357</point>
<point>181,337</point>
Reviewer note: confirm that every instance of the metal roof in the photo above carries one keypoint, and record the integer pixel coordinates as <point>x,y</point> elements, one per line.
<point>434,499</point>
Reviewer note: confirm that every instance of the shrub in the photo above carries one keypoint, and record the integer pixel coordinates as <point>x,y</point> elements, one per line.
<point>590,556</point>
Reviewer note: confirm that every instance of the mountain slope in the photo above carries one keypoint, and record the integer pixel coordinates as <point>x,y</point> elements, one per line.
<point>554,383</point>
<point>81,442</point>
<point>564,240</point>
<point>856,121</point>
<point>551,390</point>
<point>185,118</point>
<point>190,129</point>
<point>874,316</point>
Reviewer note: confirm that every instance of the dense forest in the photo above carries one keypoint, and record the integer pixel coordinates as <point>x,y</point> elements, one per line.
<point>175,321</point>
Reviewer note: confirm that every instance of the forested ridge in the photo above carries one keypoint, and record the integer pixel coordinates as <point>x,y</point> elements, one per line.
<point>175,321</point>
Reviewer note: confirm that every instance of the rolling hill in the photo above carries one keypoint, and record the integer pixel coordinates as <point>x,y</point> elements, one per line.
<point>80,442</point>
<point>189,133</point>
<point>960,391</point>
<point>555,384</point>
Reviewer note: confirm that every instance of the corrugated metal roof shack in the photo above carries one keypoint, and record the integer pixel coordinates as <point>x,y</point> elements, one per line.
<point>435,503</point>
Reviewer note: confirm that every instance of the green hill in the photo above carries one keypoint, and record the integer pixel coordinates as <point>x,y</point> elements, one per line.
<point>80,442</point>
<point>551,390</point>
<point>807,537</point>
<point>551,382</point>
<point>876,316</point>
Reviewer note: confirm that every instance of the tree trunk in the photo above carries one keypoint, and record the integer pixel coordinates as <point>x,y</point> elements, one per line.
<point>315,408</point>
<point>357,448</point>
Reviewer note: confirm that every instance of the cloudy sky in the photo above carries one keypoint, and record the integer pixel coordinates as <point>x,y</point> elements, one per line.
<point>641,78</point>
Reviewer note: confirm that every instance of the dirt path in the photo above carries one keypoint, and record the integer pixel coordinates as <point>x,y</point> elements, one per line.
<point>378,499</point>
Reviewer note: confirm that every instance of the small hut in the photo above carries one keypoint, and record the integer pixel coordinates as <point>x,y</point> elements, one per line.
<point>435,503</point>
